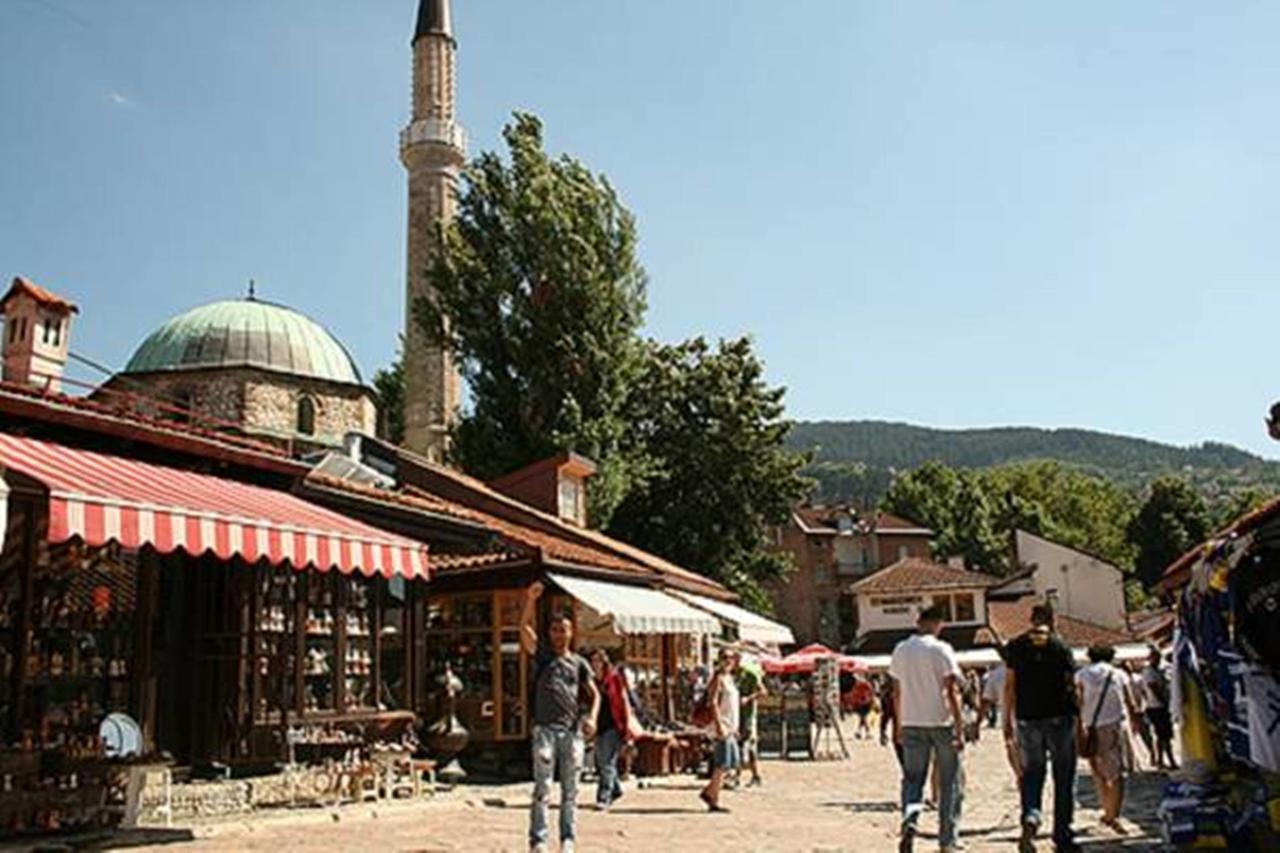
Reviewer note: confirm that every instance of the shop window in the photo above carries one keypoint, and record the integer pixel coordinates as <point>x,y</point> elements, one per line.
<point>642,658</point>
<point>393,690</point>
<point>965,609</point>
<point>306,416</point>
<point>943,602</point>
<point>461,633</point>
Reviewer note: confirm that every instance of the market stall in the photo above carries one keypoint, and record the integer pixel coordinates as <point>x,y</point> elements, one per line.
<point>171,598</point>
<point>1225,691</point>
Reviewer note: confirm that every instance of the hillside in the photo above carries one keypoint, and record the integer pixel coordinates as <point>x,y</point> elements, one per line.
<point>854,460</point>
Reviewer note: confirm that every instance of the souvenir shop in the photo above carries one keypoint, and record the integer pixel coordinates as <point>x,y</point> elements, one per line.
<point>117,645</point>
<point>1225,685</point>
<point>475,629</point>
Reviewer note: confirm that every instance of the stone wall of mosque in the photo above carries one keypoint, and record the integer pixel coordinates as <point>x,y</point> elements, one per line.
<point>258,401</point>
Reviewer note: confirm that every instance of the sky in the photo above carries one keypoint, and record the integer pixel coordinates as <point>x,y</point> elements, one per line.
<point>948,213</point>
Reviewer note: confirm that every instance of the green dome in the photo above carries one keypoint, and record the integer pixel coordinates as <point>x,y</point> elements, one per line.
<point>246,333</point>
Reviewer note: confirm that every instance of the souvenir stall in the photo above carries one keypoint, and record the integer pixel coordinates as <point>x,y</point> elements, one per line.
<point>654,636</point>
<point>165,605</point>
<point>806,679</point>
<point>1226,693</point>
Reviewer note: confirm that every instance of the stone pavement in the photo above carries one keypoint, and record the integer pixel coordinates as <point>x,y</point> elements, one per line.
<point>822,806</point>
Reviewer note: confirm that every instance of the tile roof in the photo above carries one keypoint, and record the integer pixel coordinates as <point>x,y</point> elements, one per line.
<point>557,539</point>
<point>47,298</point>
<point>24,403</point>
<point>887,524</point>
<point>917,573</point>
<point>1010,619</point>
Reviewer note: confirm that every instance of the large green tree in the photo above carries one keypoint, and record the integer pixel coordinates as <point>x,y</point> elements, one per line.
<point>544,297</point>
<point>388,385</point>
<point>956,506</point>
<point>719,474</point>
<point>1172,519</point>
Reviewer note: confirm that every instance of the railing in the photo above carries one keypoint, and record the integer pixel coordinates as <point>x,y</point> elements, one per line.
<point>437,130</point>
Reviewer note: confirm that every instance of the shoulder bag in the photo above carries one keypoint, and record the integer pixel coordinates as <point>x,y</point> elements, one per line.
<point>1089,743</point>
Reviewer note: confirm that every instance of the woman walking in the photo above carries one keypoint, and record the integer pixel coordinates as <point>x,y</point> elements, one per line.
<point>1105,704</point>
<point>613,726</point>
<point>724,702</point>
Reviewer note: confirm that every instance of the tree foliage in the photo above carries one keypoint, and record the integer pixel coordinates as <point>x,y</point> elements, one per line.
<point>719,474</point>
<point>975,512</point>
<point>544,296</point>
<point>388,386</point>
<point>538,293</point>
<point>1172,520</point>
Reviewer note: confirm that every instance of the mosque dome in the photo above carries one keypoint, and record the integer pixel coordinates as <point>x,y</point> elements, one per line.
<point>246,333</point>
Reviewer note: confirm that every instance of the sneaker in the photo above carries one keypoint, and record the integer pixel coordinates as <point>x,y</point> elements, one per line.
<point>907,842</point>
<point>540,847</point>
<point>1027,841</point>
<point>567,846</point>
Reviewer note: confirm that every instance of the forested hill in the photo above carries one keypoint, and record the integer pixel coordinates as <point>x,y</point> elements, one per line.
<point>864,453</point>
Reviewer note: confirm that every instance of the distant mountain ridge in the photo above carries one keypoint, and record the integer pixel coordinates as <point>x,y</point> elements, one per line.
<point>871,450</point>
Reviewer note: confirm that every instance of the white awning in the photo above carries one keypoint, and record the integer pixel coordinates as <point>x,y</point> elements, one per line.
<point>638,609</point>
<point>752,627</point>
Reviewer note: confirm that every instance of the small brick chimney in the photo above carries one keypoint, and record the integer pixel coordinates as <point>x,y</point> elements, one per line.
<point>37,331</point>
<point>557,486</point>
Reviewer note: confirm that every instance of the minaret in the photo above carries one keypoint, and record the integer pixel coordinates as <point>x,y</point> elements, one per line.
<point>433,150</point>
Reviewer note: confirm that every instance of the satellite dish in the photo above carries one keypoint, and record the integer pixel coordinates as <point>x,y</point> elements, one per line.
<point>121,736</point>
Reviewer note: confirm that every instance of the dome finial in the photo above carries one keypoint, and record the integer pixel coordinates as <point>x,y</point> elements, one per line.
<point>253,291</point>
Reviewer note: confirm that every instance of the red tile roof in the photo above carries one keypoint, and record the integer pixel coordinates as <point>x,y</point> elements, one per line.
<point>39,294</point>
<point>917,573</point>
<point>887,524</point>
<point>557,539</point>
<point>1010,619</point>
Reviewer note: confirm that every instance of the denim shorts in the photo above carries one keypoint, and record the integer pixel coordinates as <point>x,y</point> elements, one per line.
<point>727,756</point>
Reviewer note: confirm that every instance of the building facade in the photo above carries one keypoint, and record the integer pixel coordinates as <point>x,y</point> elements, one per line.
<point>832,547</point>
<point>1079,585</point>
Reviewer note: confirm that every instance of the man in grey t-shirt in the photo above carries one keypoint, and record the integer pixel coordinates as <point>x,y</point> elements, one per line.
<point>561,679</point>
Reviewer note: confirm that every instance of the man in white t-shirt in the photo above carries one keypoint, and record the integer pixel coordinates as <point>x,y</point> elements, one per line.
<point>1103,694</point>
<point>928,725</point>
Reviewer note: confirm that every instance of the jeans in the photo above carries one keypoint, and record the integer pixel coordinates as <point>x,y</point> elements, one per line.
<point>919,744</point>
<point>608,745</point>
<point>554,749</point>
<point>1057,737</point>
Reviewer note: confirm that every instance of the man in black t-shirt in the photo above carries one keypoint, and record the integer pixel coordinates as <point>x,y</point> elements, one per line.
<point>1040,712</point>
<point>561,680</point>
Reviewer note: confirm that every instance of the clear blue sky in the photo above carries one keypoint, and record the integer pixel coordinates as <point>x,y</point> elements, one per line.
<point>957,214</point>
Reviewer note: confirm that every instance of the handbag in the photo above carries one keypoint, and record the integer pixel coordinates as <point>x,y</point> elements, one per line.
<point>1089,743</point>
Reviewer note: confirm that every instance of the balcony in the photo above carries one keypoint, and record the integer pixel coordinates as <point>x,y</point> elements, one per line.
<point>434,130</point>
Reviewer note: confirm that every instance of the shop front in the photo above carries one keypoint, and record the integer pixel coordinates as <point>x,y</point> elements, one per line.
<point>146,610</point>
<point>658,639</point>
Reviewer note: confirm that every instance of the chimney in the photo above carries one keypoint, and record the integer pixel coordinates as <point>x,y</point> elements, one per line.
<point>557,486</point>
<point>37,330</point>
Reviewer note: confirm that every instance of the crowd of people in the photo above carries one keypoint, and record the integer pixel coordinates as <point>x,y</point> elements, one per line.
<point>1051,714</point>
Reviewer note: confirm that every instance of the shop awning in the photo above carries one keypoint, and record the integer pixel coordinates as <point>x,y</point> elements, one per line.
<point>100,498</point>
<point>637,609</point>
<point>752,627</point>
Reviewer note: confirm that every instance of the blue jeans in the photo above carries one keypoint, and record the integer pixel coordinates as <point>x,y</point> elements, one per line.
<point>554,749</point>
<point>608,745</point>
<point>1057,737</point>
<point>919,744</point>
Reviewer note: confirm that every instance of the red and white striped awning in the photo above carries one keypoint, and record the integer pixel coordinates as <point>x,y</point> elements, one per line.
<point>101,498</point>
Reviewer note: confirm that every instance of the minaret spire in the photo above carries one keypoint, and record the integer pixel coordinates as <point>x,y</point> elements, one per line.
<point>433,17</point>
<point>433,150</point>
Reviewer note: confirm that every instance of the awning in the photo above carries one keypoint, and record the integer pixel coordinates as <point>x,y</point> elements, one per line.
<point>638,609</point>
<point>100,498</point>
<point>752,627</point>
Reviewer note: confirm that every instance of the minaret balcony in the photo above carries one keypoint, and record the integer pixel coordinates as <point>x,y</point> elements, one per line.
<point>434,130</point>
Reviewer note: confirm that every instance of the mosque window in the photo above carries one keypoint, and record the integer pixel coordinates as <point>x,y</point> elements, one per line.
<point>306,416</point>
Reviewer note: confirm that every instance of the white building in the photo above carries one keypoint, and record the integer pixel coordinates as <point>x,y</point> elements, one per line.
<point>1078,585</point>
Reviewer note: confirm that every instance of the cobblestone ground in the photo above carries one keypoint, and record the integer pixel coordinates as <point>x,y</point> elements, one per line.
<point>833,805</point>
